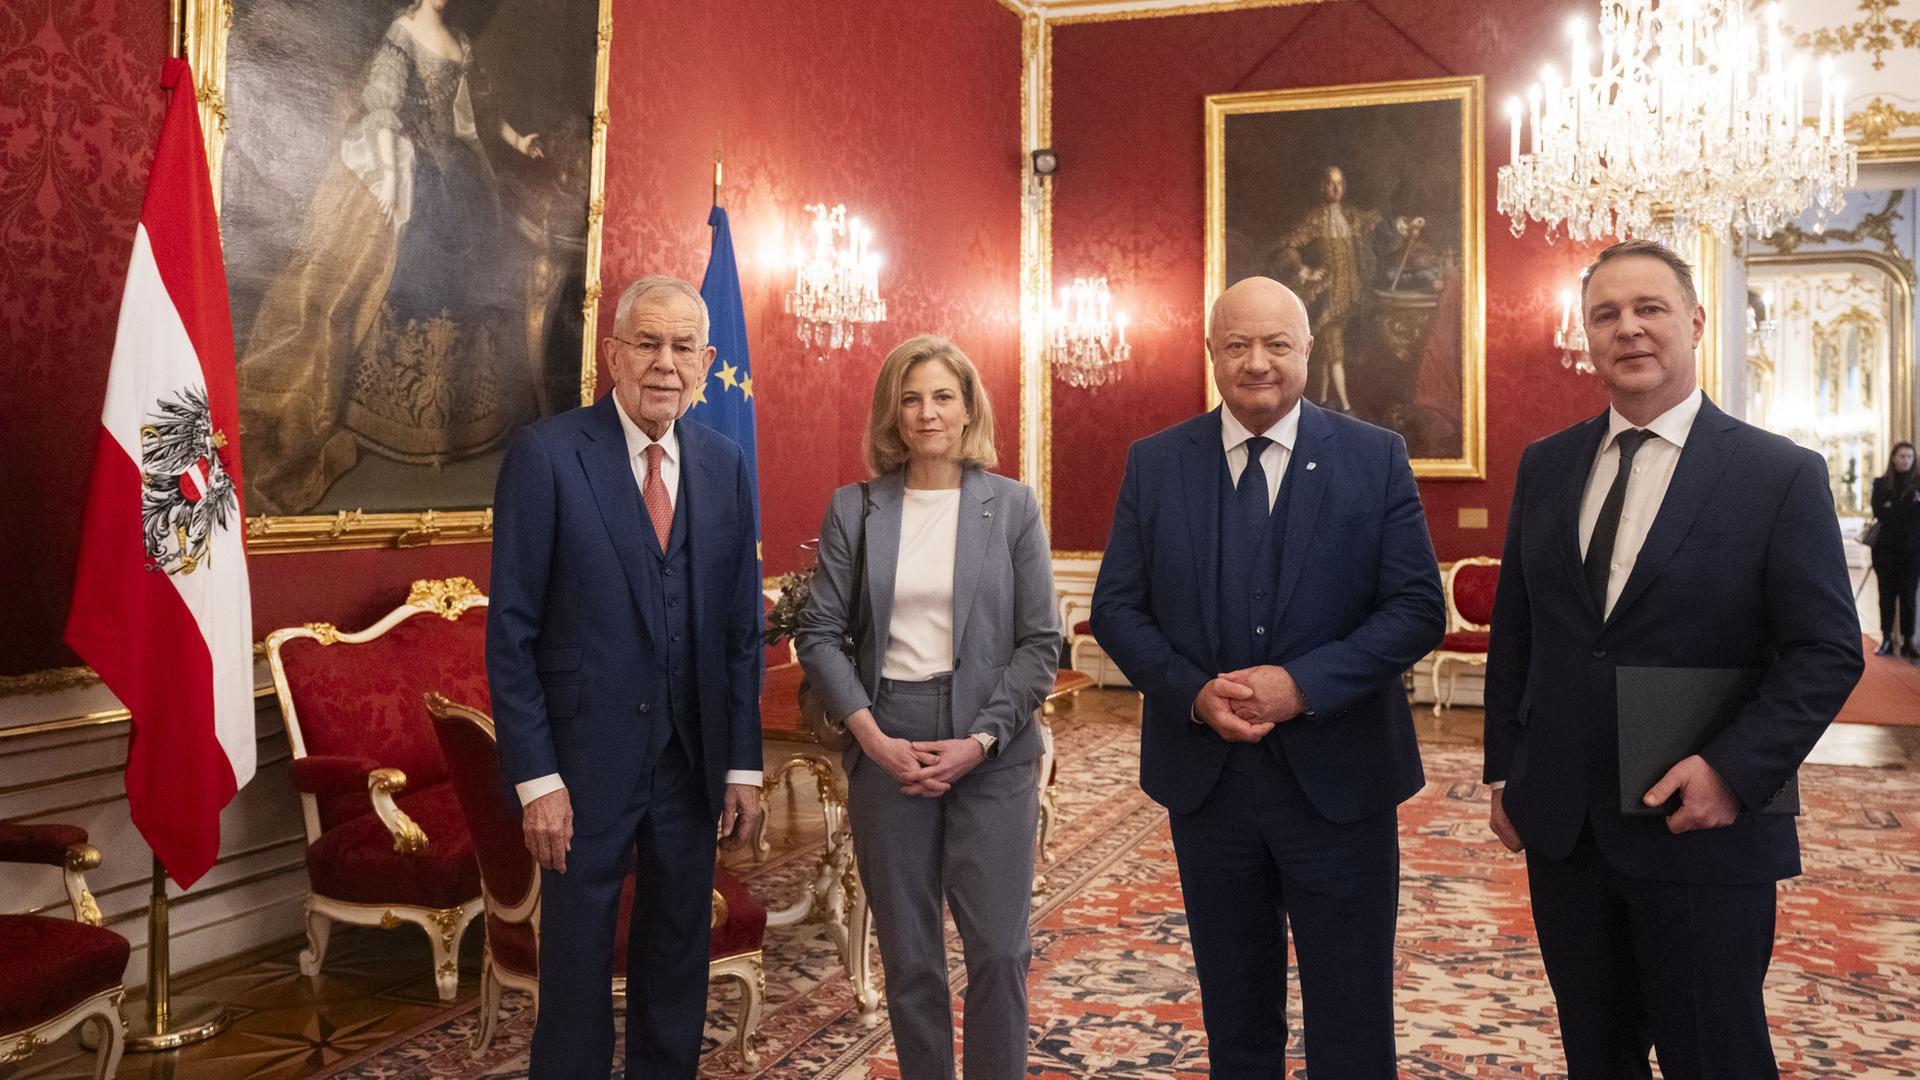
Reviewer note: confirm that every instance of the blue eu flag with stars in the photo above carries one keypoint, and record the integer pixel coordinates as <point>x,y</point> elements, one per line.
<point>725,403</point>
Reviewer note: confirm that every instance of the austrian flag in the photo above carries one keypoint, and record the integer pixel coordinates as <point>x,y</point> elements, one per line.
<point>161,607</point>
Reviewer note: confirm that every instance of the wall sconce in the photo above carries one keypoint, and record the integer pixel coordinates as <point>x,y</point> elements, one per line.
<point>836,286</point>
<point>1571,336</point>
<point>1086,338</point>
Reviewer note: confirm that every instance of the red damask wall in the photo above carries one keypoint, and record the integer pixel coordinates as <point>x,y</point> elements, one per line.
<point>842,102</point>
<point>1130,203</point>
<point>809,100</point>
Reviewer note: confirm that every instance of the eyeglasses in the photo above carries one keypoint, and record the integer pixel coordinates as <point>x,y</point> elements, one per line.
<point>650,350</point>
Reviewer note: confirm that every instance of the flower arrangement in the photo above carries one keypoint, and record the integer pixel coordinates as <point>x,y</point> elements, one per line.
<point>795,586</point>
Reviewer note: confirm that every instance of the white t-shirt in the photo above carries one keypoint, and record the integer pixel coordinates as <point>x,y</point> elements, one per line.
<point>920,638</point>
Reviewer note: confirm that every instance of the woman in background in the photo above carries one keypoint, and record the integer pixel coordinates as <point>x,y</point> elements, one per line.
<point>1896,550</point>
<point>956,642</point>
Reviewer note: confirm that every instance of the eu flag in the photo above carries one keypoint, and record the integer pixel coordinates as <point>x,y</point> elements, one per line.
<point>726,401</point>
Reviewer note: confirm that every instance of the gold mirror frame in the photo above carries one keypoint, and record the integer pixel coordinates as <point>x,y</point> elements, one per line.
<point>1469,92</point>
<point>206,26</point>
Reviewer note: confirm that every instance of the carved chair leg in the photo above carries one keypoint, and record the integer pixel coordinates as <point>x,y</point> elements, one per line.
<point>490,994</point>
<point>109,1035</point>
<point>444,936</point>
<point>753,992</point>
<point>860,953</point>
<point>319,929</point>
<point>1438,706</point>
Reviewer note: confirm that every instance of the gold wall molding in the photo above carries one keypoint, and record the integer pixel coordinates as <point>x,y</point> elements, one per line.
<point>1879,120</point>
<point>1901,276</point>
<point>1876,227</point>
<point>1068,12</point>
<point>1036,261</point>
<point>207,26</point>
<point>1879,33</point>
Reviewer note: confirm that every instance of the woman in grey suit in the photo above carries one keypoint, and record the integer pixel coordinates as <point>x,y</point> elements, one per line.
<point>956,641</point>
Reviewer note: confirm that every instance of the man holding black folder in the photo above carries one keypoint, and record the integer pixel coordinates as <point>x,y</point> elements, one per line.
<point>1669,558</point>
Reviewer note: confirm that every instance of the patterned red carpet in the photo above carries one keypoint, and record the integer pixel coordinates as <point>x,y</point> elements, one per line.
<point>1888,692</point>
<point>1113,990</point>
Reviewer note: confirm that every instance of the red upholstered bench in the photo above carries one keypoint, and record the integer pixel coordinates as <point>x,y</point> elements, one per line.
<point>511,889</point>
<point>58,974</point>
<point>386,841</point>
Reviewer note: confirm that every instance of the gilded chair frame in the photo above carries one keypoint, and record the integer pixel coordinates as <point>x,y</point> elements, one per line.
<point>1457,623</point>
<point>98,1016</point>
<point>449,599</point>
<point>746,968</point>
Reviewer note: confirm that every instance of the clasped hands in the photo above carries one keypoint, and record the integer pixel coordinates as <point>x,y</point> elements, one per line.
<point>926,768</point>
<point>1244,705</point>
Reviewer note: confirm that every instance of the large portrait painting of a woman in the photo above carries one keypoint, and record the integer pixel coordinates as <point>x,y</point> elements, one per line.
<point>1366,201</point>
<point>404,203</point>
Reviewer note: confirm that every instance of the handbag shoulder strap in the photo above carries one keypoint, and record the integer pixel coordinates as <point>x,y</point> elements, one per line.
<point>861,610</point>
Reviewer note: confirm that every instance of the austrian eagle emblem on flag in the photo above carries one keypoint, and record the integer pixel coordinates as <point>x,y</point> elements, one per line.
<point>186,492</point>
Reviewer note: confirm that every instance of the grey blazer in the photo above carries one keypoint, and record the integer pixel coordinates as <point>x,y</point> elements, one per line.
<point>1006,625</point>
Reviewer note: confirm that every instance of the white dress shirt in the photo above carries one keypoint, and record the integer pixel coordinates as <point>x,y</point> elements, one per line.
<point>637,443</point>
<point>1273,460</point>
<point>920,630</point>
<point>1646,488</point>
<point>1652,471</point>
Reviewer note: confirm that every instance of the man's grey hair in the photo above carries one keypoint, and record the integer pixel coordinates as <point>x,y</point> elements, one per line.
<point>653,285</point>
<point>1651,249</point>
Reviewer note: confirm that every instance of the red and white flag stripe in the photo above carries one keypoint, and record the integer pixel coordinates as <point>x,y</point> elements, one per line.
<point>172,636</point>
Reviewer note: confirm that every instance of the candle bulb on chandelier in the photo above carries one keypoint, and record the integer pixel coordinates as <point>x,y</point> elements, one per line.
<point>1533,119</point>
<point>1513,129</point>
<point>1826,92</point>
<point>1839,108</point>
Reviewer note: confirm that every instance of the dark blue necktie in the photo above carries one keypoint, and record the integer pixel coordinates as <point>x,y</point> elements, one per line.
<point>1250,494</point>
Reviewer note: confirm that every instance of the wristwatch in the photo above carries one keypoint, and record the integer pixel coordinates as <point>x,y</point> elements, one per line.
<point>986,741</point>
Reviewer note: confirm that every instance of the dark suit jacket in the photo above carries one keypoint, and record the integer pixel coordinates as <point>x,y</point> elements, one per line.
<point>1742,568</point>
<point>1357,603</point>
<point>571,643</point>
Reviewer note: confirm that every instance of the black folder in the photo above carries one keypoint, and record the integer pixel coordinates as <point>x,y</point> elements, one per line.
<point>1667,714</point>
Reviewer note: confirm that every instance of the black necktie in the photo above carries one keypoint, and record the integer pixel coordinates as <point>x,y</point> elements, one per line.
<point>1606,528</point>
<point>1250,494</point>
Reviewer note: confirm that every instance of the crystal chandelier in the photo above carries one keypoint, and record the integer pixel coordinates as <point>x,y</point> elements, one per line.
<point>1691,120</point>
<point>1088,340</point>
<point>836,286</point>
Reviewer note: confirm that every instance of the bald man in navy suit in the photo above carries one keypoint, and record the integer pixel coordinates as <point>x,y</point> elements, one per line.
<point>1267,582</point>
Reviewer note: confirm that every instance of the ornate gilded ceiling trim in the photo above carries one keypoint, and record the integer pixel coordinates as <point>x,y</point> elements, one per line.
<point>1877,227</point>
<point>1879,33</point>
<point>1061,12</point>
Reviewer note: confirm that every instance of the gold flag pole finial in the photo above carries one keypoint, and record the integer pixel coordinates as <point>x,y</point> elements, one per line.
<point>716,174</point>
<point>177,29</point>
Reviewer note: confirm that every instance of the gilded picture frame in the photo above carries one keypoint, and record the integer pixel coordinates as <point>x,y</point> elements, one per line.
<point>390,436</point>
<point>1368,201</point>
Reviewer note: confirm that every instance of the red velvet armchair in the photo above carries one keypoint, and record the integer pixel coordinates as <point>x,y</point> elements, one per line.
<point>386,842</point>
<point>511,887</point>
<point>59,975</point>
<point>1470,585</point>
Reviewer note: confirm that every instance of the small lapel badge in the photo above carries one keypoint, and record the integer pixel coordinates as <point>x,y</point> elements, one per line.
<point>1311,465</point>
<point>986,513</point>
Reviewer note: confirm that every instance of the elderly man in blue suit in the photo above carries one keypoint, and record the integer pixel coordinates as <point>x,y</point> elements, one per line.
<point>1268,580</point>
<point>1662,533</point>
<point>623,652</point>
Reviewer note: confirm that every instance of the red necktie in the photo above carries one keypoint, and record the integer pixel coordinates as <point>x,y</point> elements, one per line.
<point>654,493</point>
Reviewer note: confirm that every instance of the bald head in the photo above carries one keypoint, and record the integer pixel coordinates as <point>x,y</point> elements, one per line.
<point>1255,297</point>
<point>1258,338</point>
